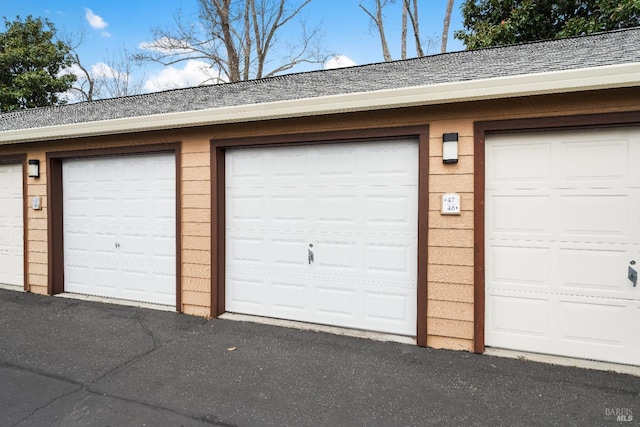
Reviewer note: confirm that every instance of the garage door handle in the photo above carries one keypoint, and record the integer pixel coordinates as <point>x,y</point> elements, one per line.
<point>633,276</point>
<point>310,254</point>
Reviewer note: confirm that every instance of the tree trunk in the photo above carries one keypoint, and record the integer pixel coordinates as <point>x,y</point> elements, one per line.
<point>91,82</point>
<point>249,13</point>
<point>378,20</point>
<point>233,61</point>
<point>404,31</point>
<point>412,8</point>
<point>445,26</point>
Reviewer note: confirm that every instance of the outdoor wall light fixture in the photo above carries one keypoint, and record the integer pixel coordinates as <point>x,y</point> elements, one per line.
<point>449,148</point>
<point>34,168</point>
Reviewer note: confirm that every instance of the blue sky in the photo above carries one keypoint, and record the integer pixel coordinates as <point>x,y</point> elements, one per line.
<point>113,24</point>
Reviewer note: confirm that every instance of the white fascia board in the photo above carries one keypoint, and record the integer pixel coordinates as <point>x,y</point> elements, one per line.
<point>606,77</point>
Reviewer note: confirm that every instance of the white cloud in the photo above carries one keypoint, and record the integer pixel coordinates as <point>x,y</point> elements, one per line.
<point>74,69</point>
<point>97,70</point>
<point>96,22</point>
<point>193,73</point>
<point>101,69</point>
<point>105,34</point>
<point>338,61</point>
<point>166,45</point>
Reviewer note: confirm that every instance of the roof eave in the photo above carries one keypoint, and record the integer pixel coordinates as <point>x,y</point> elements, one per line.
<point>606,77</point>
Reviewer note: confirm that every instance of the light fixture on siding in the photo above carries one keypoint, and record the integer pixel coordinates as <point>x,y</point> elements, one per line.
<point>34,168</point>
<point>449,148</point>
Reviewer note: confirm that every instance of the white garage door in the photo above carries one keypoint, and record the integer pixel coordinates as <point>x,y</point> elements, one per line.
<point>562,230</point>
<point>11,226</point>
<point>119,227</point>
<point>351,207</point>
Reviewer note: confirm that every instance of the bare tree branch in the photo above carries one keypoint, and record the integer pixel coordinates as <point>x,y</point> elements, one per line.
<point>413,17</point>
<point>238,37</point>
<point>409,14</point>
<point>378,19</point>
<point>108,79</point>
<point>85,85</point>
<point>117,75</point>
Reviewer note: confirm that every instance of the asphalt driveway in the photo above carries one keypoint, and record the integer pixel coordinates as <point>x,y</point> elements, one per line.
<point>67,362</point>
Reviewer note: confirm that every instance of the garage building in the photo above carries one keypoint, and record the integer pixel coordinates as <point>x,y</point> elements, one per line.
<point>486,198</point>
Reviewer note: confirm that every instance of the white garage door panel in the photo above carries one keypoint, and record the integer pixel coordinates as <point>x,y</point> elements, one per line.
<point>11,225</point>
<point>355,203</point>
<point>562,225</point>
<point>595,270</point>
<point>567,268</point>
<point>119,224</point>
<point>565,325</point>
<point>339,303</point>
<point>516,317</point>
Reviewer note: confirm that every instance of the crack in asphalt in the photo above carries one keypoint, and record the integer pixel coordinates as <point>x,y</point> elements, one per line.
<point>82,386</point>
<point>46,404</point>
<point>40,372</point>
<point>209,419</point>
<point>148,331</point>
<point>155,346</point>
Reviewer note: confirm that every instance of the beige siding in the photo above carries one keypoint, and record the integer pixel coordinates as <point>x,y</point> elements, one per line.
<point>196,310</point>
<point>196,215</point>
<point>197,285</point>
<point>195,173</point>
<point>450,238</point>
<point>450,328</point>
<point>198,187</point>
<point>451,183</point>
<point>196,226</point>
<point>450,271</point>
<point>196,299</point>
<point>450,310</point>
<point>196,243</point>
<point>196,271</point>
<point>449,343</point>
<point>451,292</point>
<point>464,221</point>
<point>36,229</point>
<point>445,255</point>
<point>196,257</point>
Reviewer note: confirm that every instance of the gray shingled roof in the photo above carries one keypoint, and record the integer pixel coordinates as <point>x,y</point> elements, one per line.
<point>611,48</point>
